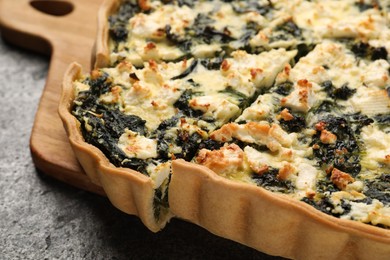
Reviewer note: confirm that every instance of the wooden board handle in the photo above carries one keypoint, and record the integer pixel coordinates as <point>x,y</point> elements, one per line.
<point>45,25</point>
<point>41,26</point>
<point>29,27</point>
<point>67,38</point>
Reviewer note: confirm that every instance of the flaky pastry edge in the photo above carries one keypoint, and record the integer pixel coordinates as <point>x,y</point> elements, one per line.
<point>272,223</point>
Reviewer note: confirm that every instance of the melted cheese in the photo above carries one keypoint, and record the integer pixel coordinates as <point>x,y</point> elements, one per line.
<point>377,144</point>
<point>217,108</point>
<point>371,102</point>
<point>260,69</point>
<point>221,95</point>
<point>259,133</point>
<point>259,110</point>
<point>137,146</point>
<point>302,98</point>
<point>147,37</point>
<point>152,27</point>
<point>338,19</point>
<point>340,65</point>
<point>258,160</point>
<point>270,37</point>
<point>375,213</point>
<point>306,178</point>
<point>229,161</point>
<point>159,173</point>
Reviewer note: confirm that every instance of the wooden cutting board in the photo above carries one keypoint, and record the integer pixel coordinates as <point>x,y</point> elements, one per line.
<point>66,30</point>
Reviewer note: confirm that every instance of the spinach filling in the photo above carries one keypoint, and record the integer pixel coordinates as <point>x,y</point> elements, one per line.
<point>294,125</point>
<point>184,44</point>
<point>202,31</point>
<point>303,49</point>
<point>188,71</point>
<point>343,92</point>
<point>102,125</point>
<point>379,189</point>
<point>358,121</point>
<point>242,99</point>
<point>326,106</point>
<point>242,145</point>
<point>163,141</point>
<point>189,3</point>
<point>190,144</point>
<point>161,200</point>
<point>101,137</point>
<point>286,31</point>
<point>213,63</point>
<point>241,7</point>
<point>284,88</point>
<point>366,51</point>
<point>326,206</point>
<point>344,153</point>
<point>243,43</point>
<point>325,187</point>
<point>183,105</point>
<point>270,181</point>
<point>364,6</point>
<point>105,136</point>
<point>118,21</point>
<point>382,119</point>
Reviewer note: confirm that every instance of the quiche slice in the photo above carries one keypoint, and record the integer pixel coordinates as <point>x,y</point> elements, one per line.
<point>173,30</point>
<point>144,118</point>
<point>266,122</point>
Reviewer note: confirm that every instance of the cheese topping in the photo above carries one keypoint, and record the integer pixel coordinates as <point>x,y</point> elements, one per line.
<point>136,146</point>
<point>337,19</point>
<point>291,96</point>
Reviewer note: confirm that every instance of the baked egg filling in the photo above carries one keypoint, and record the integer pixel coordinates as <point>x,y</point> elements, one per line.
<point>291,96</point>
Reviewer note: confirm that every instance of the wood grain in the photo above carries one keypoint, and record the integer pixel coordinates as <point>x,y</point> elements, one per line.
<point>67,38</point>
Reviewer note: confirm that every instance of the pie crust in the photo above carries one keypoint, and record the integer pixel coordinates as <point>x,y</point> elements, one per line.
<point>269,222</point>
<point>128,190</point>
<point>101,53</point>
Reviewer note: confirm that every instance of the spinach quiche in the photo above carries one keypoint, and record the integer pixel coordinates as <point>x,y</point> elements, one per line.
<point>264,121</point>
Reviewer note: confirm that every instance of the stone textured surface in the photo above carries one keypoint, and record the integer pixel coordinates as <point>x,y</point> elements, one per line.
<point>41,218</point>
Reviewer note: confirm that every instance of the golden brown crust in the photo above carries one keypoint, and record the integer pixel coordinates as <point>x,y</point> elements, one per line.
<point>128,190</point>
<point>272,223</point>
<point>220,161</point>
<point>101,58</point>
<point>341,179</point>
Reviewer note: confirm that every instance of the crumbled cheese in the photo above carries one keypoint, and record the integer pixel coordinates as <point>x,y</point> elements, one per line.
<point>301,99</point>
<point>338,19</point>
<point>377,144</point>
<point>371,102</point>
<point>273,136</point>
<point>259,110</point>
<point>159,173</point>
<point>137,146</point>
<point>218,108</point>
<point>375,213</point>
<point>229,161</point>
<point>306,178</point>
<point>143,84</point>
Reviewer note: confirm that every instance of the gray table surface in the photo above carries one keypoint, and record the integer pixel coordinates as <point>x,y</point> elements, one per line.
<point>41,218</point>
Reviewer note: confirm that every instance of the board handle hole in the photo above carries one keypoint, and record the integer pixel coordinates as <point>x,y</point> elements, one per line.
<point>53,7</point>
